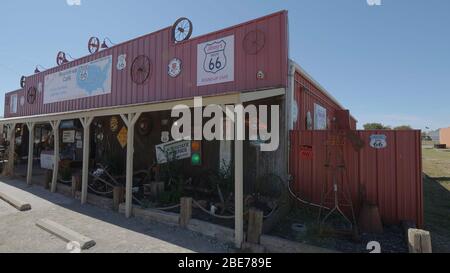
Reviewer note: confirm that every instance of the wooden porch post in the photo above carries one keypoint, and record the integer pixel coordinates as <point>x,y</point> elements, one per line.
<point>239,180</point>
<point>130,121</point>
<point>86,122</point>
<point>30,126</point>
<point>55,125</point>
<point>9,168</point>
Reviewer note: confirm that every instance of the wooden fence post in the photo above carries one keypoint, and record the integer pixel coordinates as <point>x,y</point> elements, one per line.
<point>419,241</point>
<point>255,226</point>
<point>76,183</point>
<point>118,197</point>
<point>185,211</point>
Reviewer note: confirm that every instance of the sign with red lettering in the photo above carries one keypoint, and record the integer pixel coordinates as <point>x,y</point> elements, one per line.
<point>306,152</point>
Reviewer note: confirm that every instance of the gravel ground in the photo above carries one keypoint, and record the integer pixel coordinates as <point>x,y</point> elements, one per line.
<point>391,241</point>
<point>111,231</point>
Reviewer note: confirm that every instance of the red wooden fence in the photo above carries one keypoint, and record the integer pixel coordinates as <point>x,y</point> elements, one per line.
<point>390,177</point>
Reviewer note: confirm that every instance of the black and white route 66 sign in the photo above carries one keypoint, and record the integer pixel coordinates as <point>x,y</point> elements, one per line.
<point>378,141</point>
<point>215,61</point>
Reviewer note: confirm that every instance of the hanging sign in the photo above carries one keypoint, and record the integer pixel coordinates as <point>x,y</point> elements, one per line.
<point>378,141</point>
<point>174,150</point>
<point>47,159</point>
<point>68,136</point>
<point>86,80</point>
<point>306,152</point>
<point>122,137</point>
<point>215,61</point>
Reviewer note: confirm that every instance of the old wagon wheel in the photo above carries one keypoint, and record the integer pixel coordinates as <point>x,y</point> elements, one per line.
<point>94,45</point>
<point>141,69</point>
<point>182,30</point>
<point>254,42</point>
<point>61,58</point>
<point>22,81</point>
<point>31,95</point>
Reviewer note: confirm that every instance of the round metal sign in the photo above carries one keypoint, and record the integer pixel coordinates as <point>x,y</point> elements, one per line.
<point>174,68</point>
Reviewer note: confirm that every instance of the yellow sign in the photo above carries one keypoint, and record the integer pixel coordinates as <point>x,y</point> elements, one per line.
<point>122,136</point>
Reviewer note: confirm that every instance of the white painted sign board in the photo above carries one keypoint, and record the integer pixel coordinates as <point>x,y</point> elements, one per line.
<point>47,159</point>
<point>86,80</point>
<point>320,117</point>
<point>215,61</point>
<point>175,150</point>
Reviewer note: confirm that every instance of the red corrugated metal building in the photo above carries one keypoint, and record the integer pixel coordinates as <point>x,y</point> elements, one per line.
<point>260,72</point>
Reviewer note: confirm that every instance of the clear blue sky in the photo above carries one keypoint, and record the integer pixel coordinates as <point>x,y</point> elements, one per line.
<point>388,63</point>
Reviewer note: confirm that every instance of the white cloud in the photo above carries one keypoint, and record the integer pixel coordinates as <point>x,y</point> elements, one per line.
<point>73,2</point>
<point>374,2</point>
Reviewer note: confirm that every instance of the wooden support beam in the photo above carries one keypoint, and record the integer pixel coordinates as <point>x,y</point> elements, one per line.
<point>86,122</point>
<point>185,211</point>
<point>118,197</point>
<point>239,182</point>
<point>130,120</point>
<point>419,241</point>
<point>55,125</point>
<point>255,226</point>
<point>30,126</point>
<point>9,168</point>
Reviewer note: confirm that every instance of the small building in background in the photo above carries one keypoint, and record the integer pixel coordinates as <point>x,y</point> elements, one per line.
<point>444,136</point>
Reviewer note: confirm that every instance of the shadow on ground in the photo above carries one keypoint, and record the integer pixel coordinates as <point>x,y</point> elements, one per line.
<point>155,230</point>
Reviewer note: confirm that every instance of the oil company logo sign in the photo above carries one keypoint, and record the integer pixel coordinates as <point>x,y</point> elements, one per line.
<point>215,61</point>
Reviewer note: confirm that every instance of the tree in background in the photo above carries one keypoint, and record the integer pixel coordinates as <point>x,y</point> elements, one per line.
<point>375,126</point>
<point>403,127</point>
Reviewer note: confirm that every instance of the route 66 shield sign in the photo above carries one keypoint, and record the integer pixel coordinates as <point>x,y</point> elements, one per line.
<point>215,61</point>
<point>378,141</point>
<point>121,62</point>
<point>215,58</point>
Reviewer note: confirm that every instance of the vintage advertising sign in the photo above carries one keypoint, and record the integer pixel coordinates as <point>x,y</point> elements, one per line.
<point>378,141</point>
<point>306,152</point>
<point>320,117</point>
<point>47,159</point>
<point>87,80</point>
<point>174,150</point>
<point>68,136</point>
<point>215,61</point>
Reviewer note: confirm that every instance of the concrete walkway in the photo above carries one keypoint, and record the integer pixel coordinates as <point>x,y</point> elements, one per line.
<point>111,231</point>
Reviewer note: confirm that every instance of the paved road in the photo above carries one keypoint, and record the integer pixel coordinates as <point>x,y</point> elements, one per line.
<point>111,231</point>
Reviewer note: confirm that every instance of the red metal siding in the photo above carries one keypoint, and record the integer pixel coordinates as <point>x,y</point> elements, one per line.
<point>306,94</point>
<point>390,177</point>
<point>272,59</point>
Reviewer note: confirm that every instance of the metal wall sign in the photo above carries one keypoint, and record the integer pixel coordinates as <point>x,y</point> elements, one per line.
<point>121,62</point>
<point>378,141</point>
<point>174,68</point>
<point>215,61</point>
<point>87,80</point>
<point>68,136</point>
<point>174,150</point>
<point>320,117</point>
<point>306,152</point>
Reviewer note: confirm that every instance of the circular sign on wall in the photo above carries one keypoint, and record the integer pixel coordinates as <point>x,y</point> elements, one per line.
<point>174,68</point>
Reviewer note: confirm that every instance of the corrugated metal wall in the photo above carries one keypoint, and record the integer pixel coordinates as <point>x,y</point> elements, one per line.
<point>389,177</point>
<point>158,46</point>
<point>306,94</point>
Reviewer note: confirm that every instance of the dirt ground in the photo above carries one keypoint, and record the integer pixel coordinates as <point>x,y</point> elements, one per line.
<point>111,231</point>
